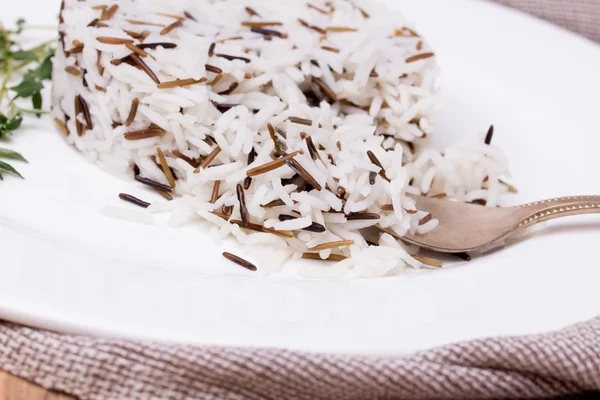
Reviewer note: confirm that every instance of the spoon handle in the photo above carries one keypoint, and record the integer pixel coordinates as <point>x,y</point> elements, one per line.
<point>557,208</point>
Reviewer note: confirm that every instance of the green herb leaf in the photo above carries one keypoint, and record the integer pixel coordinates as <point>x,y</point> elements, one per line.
<point>29,68</point>
<point>7,167</point>
<point>45,69</point>
<point>14,123</point>
<point>11,155</point>
<point>20,25</point>
<point>27,88</point>
<point>36,100</point>
<point>22,55</point>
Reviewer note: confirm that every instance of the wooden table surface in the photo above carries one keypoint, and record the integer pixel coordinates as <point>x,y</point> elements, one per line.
<point>12,388</point>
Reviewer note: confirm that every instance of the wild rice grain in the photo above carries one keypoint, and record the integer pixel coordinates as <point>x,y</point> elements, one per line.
<point>274,139</point>
<point>300,121</point>
<point>260,228</point>
<point>425,219</point>
<point>211,49</point>
<point>376,162</point>
<point>489,136</point>
<point>231,58</point>
<point>314,28</point>
<point>215,192</point>
<point>169,28</point>
<point>411,33</point>
<point>185,158</point>
<point>153,184</point>
<point>314,227</point>
<point>73,70</point>
<point>132,111</point>
<point>463,256</point>
<point>270,166</point>
<point>372,177</point>
<point>163,14</point>
<point>213,69</point>
<point>133,34</point>
<point>164,194</point>
<point>332,245</point>
<point>340,29</point>
<point>419,57</point>
<point>230,39</point>
<point>300,170</point>
<point>61,125</point>
<point>181,83</point>
<point>223,108</point>
<point>274,203</point>
<point>134,200</point>
<point>98,64</point>
<point>510,187</point>
<point>252,12</point>
<point>113,40</point>
<point>136,59</point>
<point>312,150</point>
<point>432,262</point>
<point>315,256</point>
<point>206,162</point>
<point>189,16</point>
<point>145,134</point>
<point>269,32</point>
<point>248,180</point>
<point>281,132</point>
<point>327,91</point>
<point>324,12</point>
<point>165,167</point>
<point>362,216</point>
<point>240,261</point>
<point>86,112</point>
<point>136,50</point>
<point>108,14</point>
<point>243,209</point>
<point>215,80</point>
<point>255,24</point>
<point>332,49</point>
<point>166,45</point>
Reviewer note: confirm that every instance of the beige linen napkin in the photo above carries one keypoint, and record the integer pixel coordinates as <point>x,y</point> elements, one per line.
<point>582,16</point>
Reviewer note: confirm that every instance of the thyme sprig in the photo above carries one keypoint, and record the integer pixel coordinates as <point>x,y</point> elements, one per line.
<point>23,72</point>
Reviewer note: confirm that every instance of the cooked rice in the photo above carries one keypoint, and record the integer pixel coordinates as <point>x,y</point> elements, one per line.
<point>348,86</point>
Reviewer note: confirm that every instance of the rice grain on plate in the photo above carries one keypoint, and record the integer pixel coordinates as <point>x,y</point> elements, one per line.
<point>286,116</point>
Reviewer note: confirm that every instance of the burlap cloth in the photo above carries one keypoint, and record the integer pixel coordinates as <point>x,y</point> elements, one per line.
<point>555,364</point>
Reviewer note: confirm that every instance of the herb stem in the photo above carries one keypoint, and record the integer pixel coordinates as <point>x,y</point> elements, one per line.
<point>29,111</point>
<point>8,76</point>
<point>39,28</point>
<point>22,72</point>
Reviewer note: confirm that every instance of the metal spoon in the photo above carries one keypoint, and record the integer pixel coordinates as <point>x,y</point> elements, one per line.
<point>470,227</point>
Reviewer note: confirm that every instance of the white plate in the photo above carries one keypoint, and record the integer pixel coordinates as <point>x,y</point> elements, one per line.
<point>64,266</point>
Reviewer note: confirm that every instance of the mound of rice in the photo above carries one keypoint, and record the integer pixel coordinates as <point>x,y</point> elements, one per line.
<point>292,124</point>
